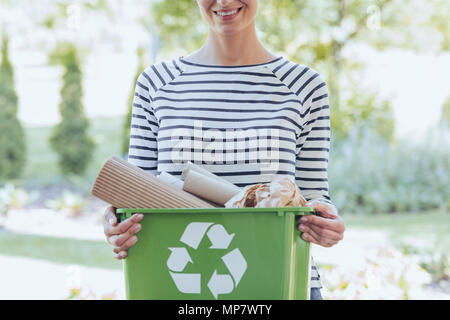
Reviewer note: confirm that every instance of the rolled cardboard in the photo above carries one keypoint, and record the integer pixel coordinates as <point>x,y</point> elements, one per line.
<point>170,179</point>
<point>191,166</point>
<point>124,185</point>
<point>208,188</point>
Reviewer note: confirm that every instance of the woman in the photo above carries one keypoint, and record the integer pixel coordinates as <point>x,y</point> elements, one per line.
<point>235,91</point>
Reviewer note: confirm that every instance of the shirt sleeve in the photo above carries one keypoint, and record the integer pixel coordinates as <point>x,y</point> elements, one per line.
<point>313,145</point>
<point>143,150</point>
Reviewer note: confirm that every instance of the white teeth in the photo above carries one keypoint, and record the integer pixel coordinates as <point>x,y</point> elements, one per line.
<point>221,13</point>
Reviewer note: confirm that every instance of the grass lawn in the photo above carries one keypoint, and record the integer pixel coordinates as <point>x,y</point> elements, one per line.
<point>425,230</point>
<point>429,229</point>
<point>42,171</point>
<point>59,250</point>
<point>42,163</point>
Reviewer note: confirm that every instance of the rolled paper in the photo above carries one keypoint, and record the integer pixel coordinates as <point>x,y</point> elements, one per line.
<point>191,166</point>
<point>208,188</point>
<point>124,185</point>
<point>170,179</point>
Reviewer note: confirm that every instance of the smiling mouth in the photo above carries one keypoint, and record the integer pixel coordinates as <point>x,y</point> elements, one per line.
<point>239,9</point>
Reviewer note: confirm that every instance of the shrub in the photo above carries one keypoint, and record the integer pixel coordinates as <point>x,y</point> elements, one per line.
<point>12,137</point>
<point>438,265</point>
<point>70,137</point>
<point>368,174</point>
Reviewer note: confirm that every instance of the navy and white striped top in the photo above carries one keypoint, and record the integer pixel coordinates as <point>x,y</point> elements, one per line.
<point>246,124</point>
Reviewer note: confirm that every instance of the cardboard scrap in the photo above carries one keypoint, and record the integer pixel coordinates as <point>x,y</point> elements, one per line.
<point>281,192</point>
<point>124,185</point>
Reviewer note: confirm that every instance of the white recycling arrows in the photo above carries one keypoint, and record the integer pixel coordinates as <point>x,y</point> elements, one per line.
<point>178,259</point>
<point>236,263</point>
<point>187,282</point>
<point>193,233</point>
<point>220,284</point>
<point>220,239</point>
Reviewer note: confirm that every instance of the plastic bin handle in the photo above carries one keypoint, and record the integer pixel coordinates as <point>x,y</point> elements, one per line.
<point>124,213</point>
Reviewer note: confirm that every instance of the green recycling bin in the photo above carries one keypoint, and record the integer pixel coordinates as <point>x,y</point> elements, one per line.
<point>218,253</point>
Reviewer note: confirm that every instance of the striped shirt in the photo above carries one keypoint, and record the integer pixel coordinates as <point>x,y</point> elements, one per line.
<point>246,124</point>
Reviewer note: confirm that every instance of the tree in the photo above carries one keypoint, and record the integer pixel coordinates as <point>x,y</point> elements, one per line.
<point>70,137</point>
<point>127,120</point>
<point>12,137</point>
<point>316,33</point>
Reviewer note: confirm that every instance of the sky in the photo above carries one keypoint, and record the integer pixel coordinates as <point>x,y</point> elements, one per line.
<point>416,84</point>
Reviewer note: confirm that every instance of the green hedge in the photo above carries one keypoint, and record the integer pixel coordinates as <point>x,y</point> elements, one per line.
<point>70,137</point>
<point>369,175</point>
<point>12,136</point>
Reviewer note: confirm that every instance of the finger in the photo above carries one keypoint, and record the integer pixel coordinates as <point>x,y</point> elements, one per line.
<point>108,229</point>
<point>119,240</point>
<point>112,233</point>
<point>127,245</point>
<point>110,215</point>
<point>326,233</point>
<point>112,239</point>
<point>306,229</point>
<point>316,237</point>
<point>309,238</point>
<point>120,255</point>
<point>128,223</point>
<point>330,243</point>
<point>319,221</point>
<point>108,226</point>
<point>123,226</point>
<point>324,209</point>
<point>336,225</point>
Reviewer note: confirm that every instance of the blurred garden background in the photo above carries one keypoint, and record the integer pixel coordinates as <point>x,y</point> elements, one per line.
<point>67,76</point>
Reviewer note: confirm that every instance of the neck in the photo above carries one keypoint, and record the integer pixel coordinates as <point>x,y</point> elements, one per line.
<point>242,48</point>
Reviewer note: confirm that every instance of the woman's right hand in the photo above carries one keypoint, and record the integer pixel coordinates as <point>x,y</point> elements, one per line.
<point>121,236</point>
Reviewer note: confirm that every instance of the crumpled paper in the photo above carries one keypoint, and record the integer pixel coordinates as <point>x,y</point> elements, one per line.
<point>281,192</point>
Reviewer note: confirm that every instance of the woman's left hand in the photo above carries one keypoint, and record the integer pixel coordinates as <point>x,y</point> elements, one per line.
<point>326,229</point>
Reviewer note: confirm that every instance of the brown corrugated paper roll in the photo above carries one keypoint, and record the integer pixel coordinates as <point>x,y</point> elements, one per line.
<point>124,185</point>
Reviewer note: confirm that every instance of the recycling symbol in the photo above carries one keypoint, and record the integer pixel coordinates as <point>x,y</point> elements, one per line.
<point>220,239</point>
